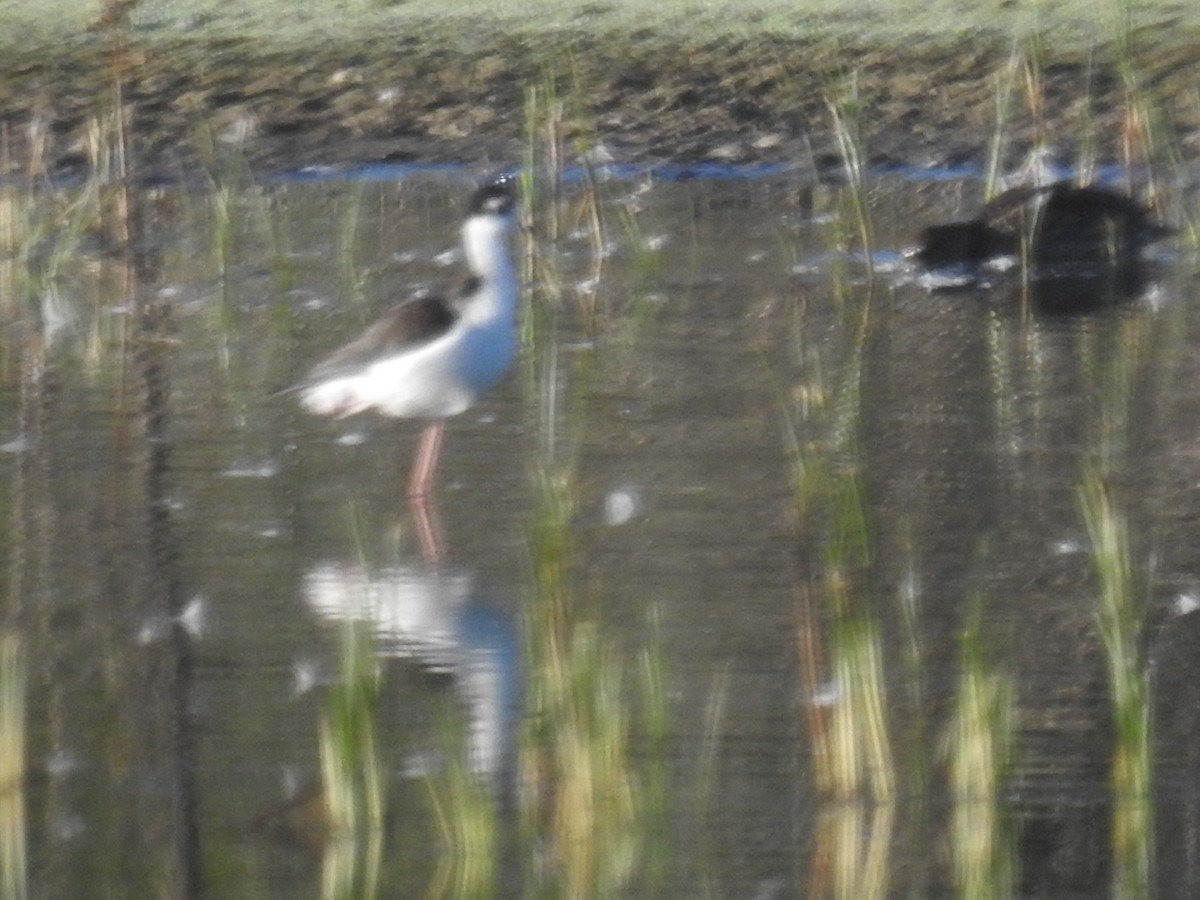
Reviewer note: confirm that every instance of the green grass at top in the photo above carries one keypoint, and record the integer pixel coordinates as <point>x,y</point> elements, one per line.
<point>291,22</point>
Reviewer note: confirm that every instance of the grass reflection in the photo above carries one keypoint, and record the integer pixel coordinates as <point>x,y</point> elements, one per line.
<point>852,858</point>
<point>981,750</point>
<point>352,773</point>
<point>14,878</point>
<point>467,815</point>
<point>578,785</point>
<point>1120,620</point>
<point>579,779</point>
<point>1122,601</point>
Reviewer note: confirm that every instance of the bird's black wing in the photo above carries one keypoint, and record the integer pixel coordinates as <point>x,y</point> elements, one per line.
<point>403,327</point>
<point>1008,209</point>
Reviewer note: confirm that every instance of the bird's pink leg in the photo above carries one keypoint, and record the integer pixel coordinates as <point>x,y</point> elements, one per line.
<point>429,529</point>
<point>424,466</point>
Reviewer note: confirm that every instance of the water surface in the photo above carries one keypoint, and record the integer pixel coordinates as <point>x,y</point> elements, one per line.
<point>153,472</point>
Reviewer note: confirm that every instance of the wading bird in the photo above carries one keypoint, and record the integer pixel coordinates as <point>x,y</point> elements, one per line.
<point>431,357</point>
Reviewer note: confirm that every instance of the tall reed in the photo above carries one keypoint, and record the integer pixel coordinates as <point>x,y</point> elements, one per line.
<point>1005,86</point>
<point>847,112</point>
<point>842,674</point>
<point>1140,125</point>
<point>579,781</point>
<point>563,150</point>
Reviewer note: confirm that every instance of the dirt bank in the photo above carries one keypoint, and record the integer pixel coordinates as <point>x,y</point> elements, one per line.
<point>443,94</point>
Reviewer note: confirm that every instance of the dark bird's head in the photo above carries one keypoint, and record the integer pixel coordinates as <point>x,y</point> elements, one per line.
<point>967,244</point>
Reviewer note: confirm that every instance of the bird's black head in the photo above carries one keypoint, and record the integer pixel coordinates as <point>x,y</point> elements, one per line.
<point>970,243</point>
<point>496,198</point>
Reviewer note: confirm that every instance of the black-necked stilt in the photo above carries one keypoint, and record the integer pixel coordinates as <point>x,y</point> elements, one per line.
<point>431,357</point>
<point>1061,224</point>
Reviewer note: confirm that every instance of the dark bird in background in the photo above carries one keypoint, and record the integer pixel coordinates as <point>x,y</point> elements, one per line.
<point>1066,230</point>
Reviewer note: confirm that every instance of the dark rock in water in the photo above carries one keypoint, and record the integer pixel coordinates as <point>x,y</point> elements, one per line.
<point>1067,230</point>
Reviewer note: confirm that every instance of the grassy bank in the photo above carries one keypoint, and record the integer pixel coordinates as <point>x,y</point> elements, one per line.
<point>717,81</point>
<point>286,23</point>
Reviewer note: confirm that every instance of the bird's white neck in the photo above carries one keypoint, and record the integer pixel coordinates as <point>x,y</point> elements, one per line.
<point>485,244</point>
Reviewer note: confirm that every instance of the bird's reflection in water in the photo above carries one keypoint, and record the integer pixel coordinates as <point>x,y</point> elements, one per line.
<point>440,619</point>
<point>1084,292</point>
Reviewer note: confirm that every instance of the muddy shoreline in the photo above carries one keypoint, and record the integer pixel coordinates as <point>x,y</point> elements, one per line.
<point>443,95</point>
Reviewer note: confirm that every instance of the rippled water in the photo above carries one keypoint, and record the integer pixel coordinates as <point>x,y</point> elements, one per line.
<point>155,479</point>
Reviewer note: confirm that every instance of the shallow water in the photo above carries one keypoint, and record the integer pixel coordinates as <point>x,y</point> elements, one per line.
<point>155,479</point>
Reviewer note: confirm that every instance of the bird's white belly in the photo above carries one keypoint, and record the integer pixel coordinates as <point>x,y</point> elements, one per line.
<point>442,378</point>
